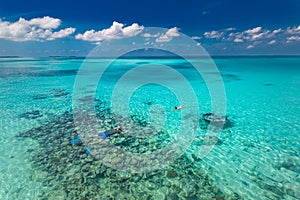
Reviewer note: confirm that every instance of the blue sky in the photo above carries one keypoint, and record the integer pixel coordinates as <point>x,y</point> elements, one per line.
<point>222,27</point>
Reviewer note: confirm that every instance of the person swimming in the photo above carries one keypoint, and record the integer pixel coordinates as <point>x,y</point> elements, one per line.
<point>102,136</point>
<point>179,107</point>
<point>106,134</point>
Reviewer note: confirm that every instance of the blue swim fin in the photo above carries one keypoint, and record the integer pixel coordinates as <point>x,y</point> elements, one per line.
<point>88,149</point>
<point>75,140</point>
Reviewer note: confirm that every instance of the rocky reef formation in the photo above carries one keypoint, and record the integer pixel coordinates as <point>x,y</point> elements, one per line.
<point>67,172</point>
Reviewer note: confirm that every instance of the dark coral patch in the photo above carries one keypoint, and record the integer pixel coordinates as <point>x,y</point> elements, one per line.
<point>149,103</point>
<point>39,96</point>
<point>217,120</point>
<point>172,174</point>
<point>60,92</point>
<point>31,115</point>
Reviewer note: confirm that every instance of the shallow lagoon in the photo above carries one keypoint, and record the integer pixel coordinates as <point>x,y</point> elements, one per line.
<point>256,157</point>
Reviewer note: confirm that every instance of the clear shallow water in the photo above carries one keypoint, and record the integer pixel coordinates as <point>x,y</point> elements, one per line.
<point>256,158</point>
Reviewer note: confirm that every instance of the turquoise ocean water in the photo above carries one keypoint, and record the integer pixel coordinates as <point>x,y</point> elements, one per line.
<point>256,157</point>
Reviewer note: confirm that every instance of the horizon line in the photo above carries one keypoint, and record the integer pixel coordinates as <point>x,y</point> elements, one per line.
<point>161,56</point>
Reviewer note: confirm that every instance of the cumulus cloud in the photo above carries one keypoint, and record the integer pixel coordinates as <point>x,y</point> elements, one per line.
<point>277,31</point>
<point>45,22</point>
<point>261,35</point>
<point>293,30</point>
<point>168,36</point>
<point>116,31</point>
<point>253,34</point>
<point>293,38</point>
<point>238,40</point>
<point>256,35</point>
<point>214,34</point>
<point>254,30</point>
<point>250,46</point>
<point>230,29</point>
<point>62,33</point>
<point>36,29</point>
<point>196,37</point>
<point>272,42</point>
<point>148,35</point>
<point>219,33</point>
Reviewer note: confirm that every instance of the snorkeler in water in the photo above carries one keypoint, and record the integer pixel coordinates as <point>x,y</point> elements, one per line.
<point>102,136</point>
<point>179,107</point>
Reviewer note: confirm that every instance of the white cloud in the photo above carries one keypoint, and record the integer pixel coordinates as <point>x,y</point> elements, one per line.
<point>168,36</point>
<point>272,42</point>
<point>277,31</point>
<point>62,33</point>
<point>214,34</point>
<point>293,38</point>
<point>133,30</point>
<point>250,47</point>
<point>116,31</point>
<point>257,34</point>
<point>254,30</point>
<point>36,29</point>
<point>261,35</point>
<point>196,37</point>
<point>238,40</point>
<point>148,35</point>
<point>230,29</point>
<point>45,22</point>
<point>293,30</point>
